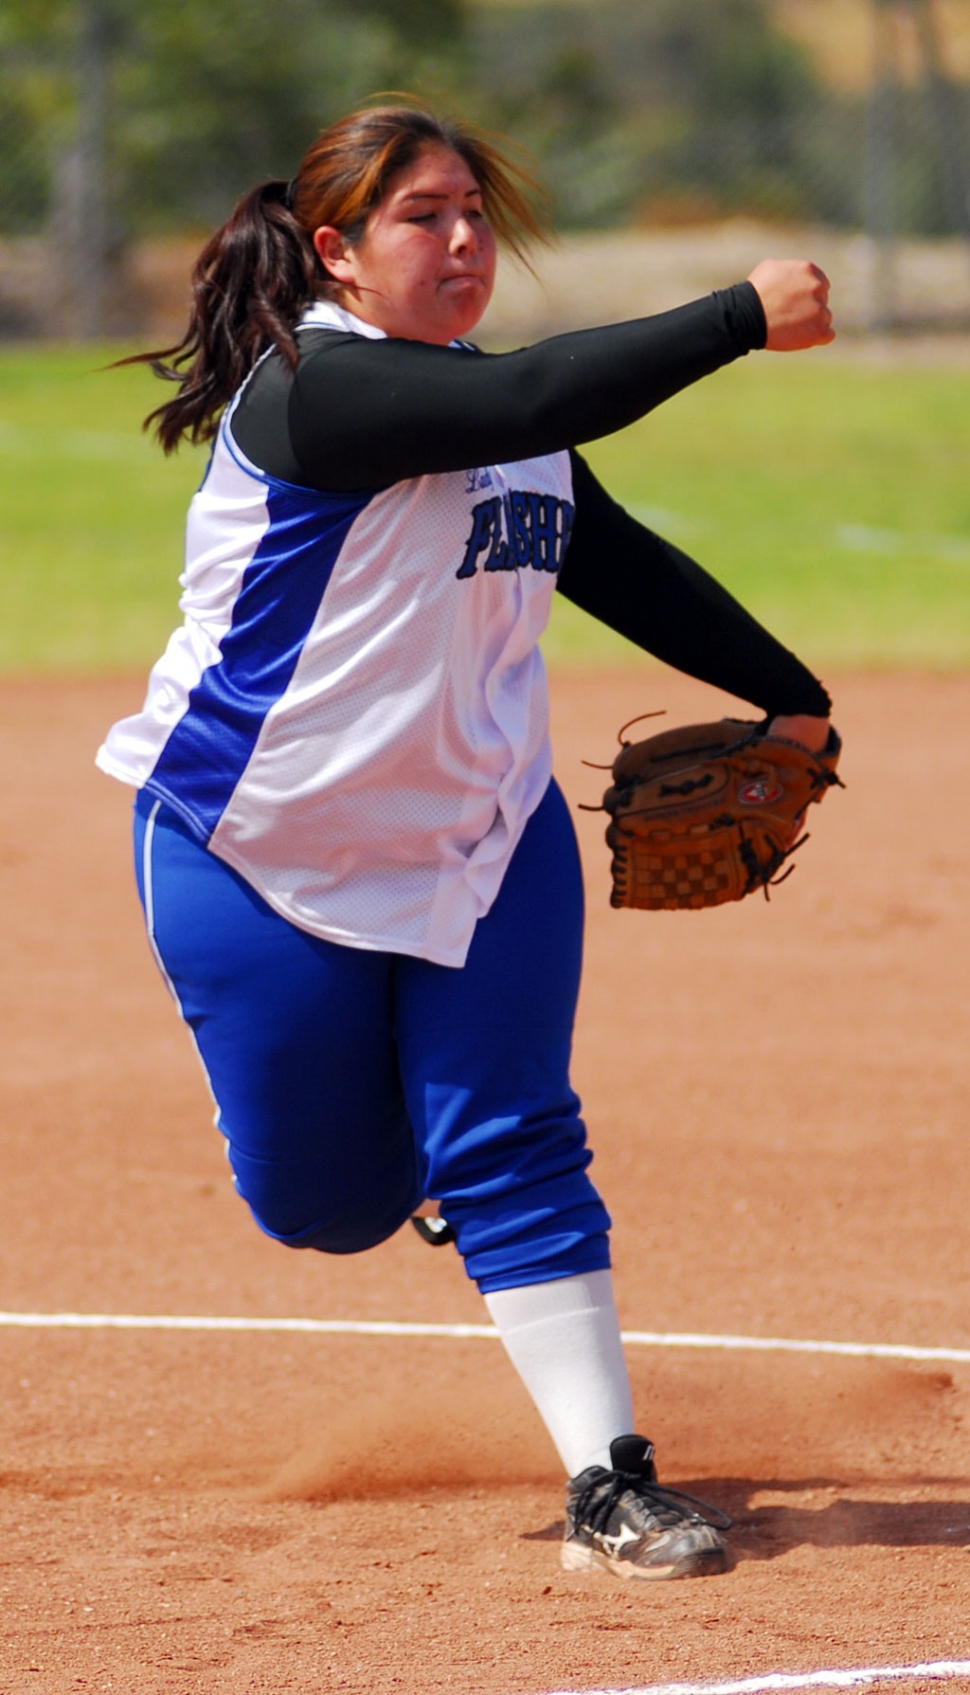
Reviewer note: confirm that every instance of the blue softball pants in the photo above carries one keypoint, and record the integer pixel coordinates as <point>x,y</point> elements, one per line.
<point>351,1084</point>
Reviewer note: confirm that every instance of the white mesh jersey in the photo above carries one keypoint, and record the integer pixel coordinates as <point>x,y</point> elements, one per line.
<point>354,712</point>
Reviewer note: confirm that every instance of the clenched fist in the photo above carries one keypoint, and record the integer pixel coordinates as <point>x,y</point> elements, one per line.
<point>795,297</point>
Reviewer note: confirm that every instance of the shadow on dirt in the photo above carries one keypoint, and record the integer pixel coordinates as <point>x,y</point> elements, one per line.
<point>766,1532</point>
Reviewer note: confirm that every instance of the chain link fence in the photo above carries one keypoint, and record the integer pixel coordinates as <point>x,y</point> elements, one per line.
<point>25,198</point>
<point>637,120</point>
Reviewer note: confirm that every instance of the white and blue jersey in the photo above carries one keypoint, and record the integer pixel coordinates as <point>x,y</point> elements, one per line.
<point>353,714</point>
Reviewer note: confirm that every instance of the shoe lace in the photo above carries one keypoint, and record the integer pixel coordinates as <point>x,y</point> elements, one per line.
<point>596,1502</point>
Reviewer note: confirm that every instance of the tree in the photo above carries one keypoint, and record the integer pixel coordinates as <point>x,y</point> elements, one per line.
<point>204,97</point>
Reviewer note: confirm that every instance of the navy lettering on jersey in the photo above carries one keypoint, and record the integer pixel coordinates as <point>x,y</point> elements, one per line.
<point>516,530</point>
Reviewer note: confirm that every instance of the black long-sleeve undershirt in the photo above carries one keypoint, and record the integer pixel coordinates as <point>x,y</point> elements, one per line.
<point>362,414</point>
<point>658,597</point>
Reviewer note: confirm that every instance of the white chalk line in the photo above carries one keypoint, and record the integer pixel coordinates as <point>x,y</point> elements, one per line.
<point>941,1669</point>
<point>834,1679</point>
<point>462,1332</point>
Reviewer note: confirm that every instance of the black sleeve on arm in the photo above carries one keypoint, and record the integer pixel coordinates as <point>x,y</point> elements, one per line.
<point>365,413</point>
<point>650,592</point>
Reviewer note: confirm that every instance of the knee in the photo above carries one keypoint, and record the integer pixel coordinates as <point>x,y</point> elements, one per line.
<point>327,1223</point>
<point>330,1235</point>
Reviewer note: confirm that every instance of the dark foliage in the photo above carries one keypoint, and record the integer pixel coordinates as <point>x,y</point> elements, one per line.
<point>633,108</point>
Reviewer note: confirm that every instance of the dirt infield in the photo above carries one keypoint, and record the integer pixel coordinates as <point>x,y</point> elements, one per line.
<point>778,1098</point>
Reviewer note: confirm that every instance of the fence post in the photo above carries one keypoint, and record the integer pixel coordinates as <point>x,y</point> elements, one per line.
<point>879,173</point>
<point>945,120</point>
<point>80,213</point>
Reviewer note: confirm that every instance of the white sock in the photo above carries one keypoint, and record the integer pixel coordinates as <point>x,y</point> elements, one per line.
<point>564,1340</point>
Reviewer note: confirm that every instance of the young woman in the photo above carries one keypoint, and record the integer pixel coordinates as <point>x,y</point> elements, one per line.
<point>360,881</point>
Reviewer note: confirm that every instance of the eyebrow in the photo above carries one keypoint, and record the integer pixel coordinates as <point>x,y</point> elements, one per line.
<point>429,194</point>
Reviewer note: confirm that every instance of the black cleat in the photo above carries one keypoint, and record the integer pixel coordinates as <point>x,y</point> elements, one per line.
<point>623,1522</point>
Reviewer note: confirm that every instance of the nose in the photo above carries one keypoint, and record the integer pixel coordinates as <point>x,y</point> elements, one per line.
<point>464,236</point>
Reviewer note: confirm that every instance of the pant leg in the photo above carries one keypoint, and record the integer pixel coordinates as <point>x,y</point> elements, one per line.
<point>484,1055</point>
<point>295,1035</point>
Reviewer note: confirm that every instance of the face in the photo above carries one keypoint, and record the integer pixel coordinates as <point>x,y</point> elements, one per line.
<point>425,265</point>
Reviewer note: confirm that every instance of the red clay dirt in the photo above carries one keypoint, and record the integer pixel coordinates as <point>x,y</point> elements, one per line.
<point>777,1094</point>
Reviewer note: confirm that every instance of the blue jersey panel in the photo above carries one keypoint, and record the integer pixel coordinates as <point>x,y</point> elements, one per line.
<point>278,601</point>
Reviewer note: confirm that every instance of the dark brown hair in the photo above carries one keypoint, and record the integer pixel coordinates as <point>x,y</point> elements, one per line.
<point>258,273</point>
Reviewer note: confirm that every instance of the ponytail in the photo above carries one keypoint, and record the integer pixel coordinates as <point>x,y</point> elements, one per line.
<point>250,285</point>
<point>258,274</point>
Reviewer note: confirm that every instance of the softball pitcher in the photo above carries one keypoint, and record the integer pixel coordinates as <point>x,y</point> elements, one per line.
<point>360,881</point>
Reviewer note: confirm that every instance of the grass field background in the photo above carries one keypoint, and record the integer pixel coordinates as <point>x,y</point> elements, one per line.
<point>831,495</point>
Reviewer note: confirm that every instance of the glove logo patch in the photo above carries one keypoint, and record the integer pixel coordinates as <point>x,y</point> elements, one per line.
<point>760,791</point>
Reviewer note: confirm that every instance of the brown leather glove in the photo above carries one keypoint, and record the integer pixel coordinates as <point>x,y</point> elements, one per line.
<point>709,812</point>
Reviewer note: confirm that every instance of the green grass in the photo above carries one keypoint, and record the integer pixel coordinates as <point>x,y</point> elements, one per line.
<point>831,496</point>
<point>91,514</point>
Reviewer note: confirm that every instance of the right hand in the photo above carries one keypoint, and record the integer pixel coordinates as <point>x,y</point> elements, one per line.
<point>795,297</point>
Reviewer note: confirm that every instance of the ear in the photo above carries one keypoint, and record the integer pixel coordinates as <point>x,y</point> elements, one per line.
<point>334,254</point>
